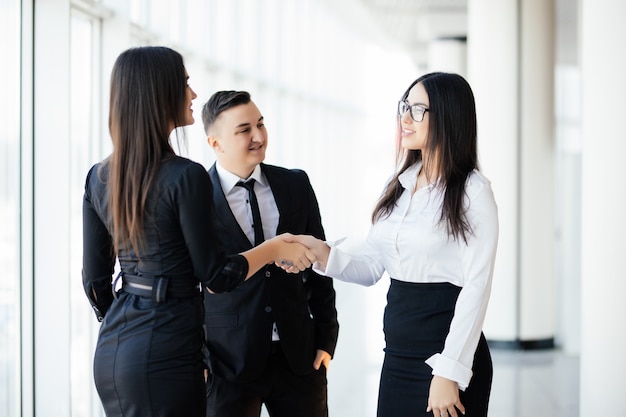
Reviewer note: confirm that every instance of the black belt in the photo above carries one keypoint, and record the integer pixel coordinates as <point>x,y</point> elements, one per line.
<point>159,288</point>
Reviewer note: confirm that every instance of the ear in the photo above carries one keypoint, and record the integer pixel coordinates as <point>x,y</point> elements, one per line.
<point>214,142</point>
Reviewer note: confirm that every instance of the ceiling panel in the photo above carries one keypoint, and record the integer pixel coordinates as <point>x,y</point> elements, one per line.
<point>407,24</point>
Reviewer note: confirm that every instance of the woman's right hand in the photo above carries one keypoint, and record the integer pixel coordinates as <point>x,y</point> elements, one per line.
<point>319,249</point>
<point>291,255</point>
<point>276,250</point>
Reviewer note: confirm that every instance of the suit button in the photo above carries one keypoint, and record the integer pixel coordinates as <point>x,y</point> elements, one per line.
<point>268,309</point>
<point>267,274</point>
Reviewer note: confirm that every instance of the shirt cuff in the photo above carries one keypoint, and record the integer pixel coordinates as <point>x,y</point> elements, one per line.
<point>317,268</point>
<point>450,369</point>
<point>333,265</point>
<point>233,273</point>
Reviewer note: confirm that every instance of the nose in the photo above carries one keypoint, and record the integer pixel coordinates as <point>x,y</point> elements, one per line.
<point>405,117</point>
<point>257,135</point>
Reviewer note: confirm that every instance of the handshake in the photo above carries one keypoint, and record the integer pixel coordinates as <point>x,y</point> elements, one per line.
<point>298,252</point>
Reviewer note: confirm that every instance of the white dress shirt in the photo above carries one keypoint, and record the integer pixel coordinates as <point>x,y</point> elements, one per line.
<point>412,246</point>
<point>237,198</point>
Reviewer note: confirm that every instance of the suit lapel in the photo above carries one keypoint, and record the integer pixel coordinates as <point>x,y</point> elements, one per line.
<point>223,213</point>
<point>280,188</point>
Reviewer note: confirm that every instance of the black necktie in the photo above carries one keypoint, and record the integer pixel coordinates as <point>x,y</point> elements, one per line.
<point>256,214</point>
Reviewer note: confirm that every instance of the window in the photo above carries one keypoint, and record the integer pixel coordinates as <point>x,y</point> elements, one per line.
<point>10,291</point>
<point>84,147</point>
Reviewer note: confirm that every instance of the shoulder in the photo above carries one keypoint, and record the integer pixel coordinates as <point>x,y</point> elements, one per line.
<point>180,162</point>
<point>478,189</point>
<point>181,166</point>
<point>282,170</point>
<point>96,176</point>
<point>477,182</point>
<point>95,192</point>
<point>294,174</point>
<point>93,173</point>
<point>181,176</point>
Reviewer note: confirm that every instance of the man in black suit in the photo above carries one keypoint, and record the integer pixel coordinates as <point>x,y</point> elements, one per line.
<point>270,340</point>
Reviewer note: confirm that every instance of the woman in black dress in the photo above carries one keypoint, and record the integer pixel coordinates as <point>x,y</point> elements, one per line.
<point>150,210</point>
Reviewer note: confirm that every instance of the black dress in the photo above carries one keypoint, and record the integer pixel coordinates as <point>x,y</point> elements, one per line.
<point>148,360</point>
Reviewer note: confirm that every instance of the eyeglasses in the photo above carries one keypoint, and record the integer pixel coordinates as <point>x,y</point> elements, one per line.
<point>416,111</point>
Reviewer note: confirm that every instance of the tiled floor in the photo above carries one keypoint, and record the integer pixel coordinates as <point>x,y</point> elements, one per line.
<point>534,384</point>
<point>525,384</point>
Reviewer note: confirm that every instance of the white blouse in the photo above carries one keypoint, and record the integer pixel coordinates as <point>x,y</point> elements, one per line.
<point>412,246</point>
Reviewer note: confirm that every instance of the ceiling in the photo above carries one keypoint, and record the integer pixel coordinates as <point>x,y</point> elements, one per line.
<point>413,24</point>
<point>407,24</point>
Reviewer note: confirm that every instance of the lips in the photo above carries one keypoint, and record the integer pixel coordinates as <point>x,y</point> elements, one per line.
<point>406,132</point>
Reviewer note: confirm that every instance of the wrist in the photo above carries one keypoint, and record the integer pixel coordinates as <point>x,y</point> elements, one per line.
<point>271,249</point>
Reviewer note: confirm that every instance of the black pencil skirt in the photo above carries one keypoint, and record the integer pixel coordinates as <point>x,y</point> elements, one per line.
<point>416,322</point>
<point>148,360</point>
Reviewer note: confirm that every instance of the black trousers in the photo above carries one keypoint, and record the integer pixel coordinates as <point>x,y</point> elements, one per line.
<point>284,393</point>
<point>416,323</point>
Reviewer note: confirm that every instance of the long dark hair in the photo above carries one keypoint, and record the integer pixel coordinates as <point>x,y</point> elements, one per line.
<point>451,147</point>
<point>148,94</point>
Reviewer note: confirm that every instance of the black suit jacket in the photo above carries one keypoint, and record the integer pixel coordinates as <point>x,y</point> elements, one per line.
<point>239,322</point>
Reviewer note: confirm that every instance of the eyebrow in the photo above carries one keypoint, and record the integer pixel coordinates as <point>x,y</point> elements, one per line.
<point>248,124</point>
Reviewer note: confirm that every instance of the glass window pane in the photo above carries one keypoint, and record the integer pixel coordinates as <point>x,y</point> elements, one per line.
<point>10,208</point>
<point>84,140</point>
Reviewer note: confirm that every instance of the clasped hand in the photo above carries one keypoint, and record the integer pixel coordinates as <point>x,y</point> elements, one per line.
<point>315,250</point>
<point>294,256</point>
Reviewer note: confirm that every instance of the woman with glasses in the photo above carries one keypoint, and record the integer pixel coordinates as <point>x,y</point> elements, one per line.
<point>435,232</point>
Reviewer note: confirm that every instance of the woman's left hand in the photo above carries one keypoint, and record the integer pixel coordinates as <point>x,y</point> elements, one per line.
<point>443,399</point>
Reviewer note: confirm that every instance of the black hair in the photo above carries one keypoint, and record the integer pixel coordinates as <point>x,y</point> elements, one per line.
<point>147,99</point>
<point>220,102</point>
<point>451,147</point>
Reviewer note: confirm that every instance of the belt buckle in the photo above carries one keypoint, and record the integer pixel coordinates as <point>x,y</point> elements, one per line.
<point>159,289</point>
<point>114,284</point>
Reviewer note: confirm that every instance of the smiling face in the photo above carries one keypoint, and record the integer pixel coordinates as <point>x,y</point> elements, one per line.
<point>414,134</point>
<point>239,139</point>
